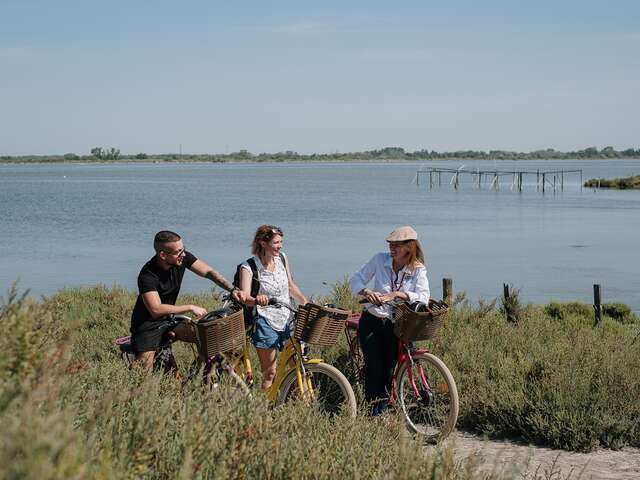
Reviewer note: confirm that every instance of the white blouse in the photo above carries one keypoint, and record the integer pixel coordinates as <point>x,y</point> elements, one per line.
<point>274,285</point>
<point>410,280</point>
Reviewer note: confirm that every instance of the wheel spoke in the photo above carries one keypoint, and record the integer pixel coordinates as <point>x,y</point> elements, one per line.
<point>330,391</point>
<point>429,411</point>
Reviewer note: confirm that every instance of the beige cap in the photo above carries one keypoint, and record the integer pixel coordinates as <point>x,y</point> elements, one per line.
<point>401,234</point>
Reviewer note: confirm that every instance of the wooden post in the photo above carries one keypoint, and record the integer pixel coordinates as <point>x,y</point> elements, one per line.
<point>537,180</point>
<point>430,180</point>
<point>439,179</point>
<point>447,290</point>
<point>507,307</point>
<point>597,306</point>
<point>562,180</point>
<point>543,181</point>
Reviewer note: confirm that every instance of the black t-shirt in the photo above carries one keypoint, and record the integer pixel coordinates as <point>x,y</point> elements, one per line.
<point>166,282</point>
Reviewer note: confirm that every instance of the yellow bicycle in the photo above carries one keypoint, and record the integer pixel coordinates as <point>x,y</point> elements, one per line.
<point>299,376</point>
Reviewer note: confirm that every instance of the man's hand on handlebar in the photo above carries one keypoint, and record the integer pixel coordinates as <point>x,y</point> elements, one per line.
<point>197,311</point>
<point>238,295</point>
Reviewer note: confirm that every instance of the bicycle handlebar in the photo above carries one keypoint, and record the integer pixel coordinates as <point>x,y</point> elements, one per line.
<point>274,302</point>
<point>388,302</point>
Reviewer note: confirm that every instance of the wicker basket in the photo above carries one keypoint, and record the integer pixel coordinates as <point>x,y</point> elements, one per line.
<point>319,325</point>
<point>220,334</point>
<point>411,326</point>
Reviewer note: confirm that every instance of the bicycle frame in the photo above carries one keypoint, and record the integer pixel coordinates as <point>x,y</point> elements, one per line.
<point>405,352</point>
<point>290,358</point>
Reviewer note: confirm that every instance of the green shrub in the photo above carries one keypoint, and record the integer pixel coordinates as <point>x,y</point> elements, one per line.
<point>561,383</point>
<point>560,311</point>
<point>616,311</point>
<point>620,312</point>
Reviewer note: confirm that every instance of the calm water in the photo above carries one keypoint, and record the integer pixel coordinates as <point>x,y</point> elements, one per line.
<point>74,225</point>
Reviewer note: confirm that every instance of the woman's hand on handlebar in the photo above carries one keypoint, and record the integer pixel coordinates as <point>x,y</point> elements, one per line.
<point>262,300</point>
<point>378,298</point>
<point>373,297</point>
<point>395,297</point>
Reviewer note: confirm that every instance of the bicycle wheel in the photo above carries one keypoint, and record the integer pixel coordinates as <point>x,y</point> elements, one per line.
<point>164,361</point>
<point>332,392</point>
<point>428,396</point>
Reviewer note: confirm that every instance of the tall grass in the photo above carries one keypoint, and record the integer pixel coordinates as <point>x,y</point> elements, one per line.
<point>71,409</point>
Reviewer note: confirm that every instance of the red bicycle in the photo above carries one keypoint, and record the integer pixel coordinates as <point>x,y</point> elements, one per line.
<point>422,387</point>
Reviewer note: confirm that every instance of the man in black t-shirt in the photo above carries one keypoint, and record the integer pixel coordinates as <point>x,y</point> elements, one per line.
<point>158,285</point>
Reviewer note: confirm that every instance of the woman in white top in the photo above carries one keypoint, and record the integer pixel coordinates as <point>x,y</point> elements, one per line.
<point>272,326</point>
<point>397,275</point>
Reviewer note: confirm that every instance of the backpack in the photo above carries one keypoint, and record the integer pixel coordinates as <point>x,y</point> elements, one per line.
<point>248,312</point>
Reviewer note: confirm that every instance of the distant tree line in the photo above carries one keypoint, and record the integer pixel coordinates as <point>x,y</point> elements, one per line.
<point>100,154</point>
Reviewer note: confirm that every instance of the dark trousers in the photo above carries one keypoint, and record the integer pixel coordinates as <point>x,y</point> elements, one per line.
<point>380,350</point>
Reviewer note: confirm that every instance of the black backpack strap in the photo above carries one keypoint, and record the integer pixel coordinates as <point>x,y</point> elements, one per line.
<point>255,281</point>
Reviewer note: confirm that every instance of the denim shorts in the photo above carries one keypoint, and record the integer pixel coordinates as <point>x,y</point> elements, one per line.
<point>264,336</point>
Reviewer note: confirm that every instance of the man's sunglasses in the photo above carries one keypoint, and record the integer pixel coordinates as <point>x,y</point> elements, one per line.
<point>179,253</point>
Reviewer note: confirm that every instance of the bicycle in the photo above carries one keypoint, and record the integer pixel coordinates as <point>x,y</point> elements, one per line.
<point>422,385</point>
<point>298,376</point>
<point>220,335</point>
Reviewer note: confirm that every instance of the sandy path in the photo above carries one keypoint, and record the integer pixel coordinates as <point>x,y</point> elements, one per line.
<point>522,461</point>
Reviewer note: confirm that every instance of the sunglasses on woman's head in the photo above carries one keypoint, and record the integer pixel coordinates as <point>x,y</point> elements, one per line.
<point>275,231</point>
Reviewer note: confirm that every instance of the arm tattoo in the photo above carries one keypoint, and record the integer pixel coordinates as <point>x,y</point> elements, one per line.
<point>219,280</point>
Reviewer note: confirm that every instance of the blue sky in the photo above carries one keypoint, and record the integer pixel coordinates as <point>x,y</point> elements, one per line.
<point>215,77</point>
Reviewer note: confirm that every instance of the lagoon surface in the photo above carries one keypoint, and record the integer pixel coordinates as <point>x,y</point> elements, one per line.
<point>68,225</point>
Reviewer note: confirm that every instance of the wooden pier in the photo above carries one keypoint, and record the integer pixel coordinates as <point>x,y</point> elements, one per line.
<point>547,179</point>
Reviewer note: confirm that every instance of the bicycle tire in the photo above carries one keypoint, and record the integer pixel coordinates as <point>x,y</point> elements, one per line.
<point>333,392</point>
<point>164,361</point>
<point>434,413</point>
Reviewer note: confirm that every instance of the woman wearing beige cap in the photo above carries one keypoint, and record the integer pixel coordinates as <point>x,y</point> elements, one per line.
<point>397,275</point>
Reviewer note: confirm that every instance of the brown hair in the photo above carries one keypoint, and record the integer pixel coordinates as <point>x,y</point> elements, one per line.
<point>264,233</point>
<point>163,237</point>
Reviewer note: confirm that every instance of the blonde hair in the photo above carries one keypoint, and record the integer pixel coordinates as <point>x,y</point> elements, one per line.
<point>416,255</point>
